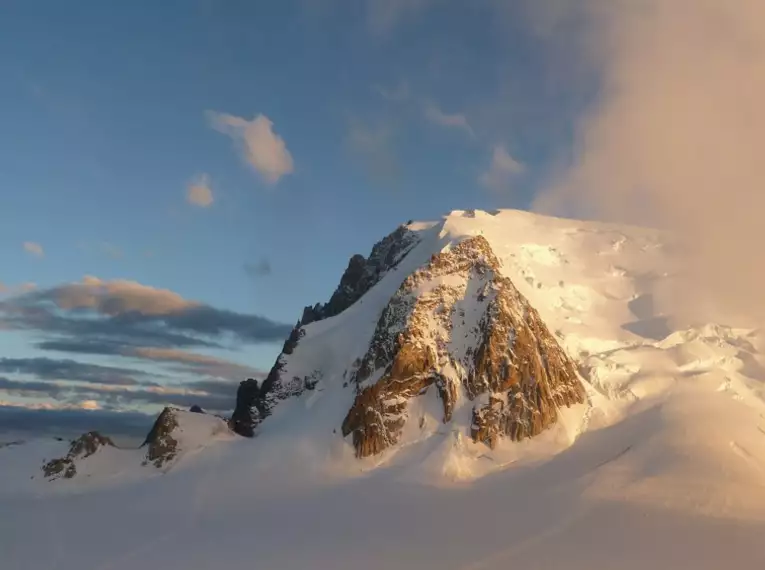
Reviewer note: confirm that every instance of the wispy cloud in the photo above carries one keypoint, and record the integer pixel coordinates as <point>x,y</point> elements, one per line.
<point>450,120</point>
<point>502,169</point>
<point>34,248</point>
<point>373,144</point>
<point>398,94</point>
<point>66,370</point>
<point>199,192</point>
<point>260,146</point>
<point>384,15</point>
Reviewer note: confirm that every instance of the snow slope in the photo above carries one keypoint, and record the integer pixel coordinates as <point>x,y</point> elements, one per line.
<point>663,468</point>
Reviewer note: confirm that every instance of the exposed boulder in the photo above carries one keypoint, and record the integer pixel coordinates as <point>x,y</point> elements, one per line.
<point>84,446</point>
<point>458,326</point>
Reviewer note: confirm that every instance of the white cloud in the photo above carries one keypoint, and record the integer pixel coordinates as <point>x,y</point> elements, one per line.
<point>502,169</point>
<point>384,15</point>
<point>33,248</point>
<point>399,93</point>
<point>456,121</point>
<point>260,145</point>
<point>675,139</point>
<point>90,405</point>
<point>118,297</point>
<point>199,192</point>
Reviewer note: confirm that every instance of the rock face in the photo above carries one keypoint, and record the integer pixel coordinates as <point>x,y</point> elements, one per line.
<point>84,446</point>
<point>458,326</point>
<point>249,408</point>
<point>360,276</point>
<point>161,446</point>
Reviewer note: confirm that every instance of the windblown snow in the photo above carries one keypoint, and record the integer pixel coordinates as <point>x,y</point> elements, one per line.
<point>662,467</point>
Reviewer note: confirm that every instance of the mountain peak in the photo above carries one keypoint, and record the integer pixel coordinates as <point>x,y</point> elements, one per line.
<point>459,327</point>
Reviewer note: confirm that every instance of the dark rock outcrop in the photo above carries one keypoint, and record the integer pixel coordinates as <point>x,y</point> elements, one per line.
<point>196,409</point>
<point>508,363</point>
<point>84,446</point>
<point>249,410</point>
<point>161,446</point>
<point>363,273</point>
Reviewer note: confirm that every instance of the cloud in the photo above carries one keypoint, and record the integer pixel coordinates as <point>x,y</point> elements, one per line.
<point>502,170</point>
<point>384,15</point>
<point>373,144</point>
<point>457,120</point>
<point>70,421</point>
<point>215,395</point>
<point>128,313</point>
<point>260,269</point>
<point>63,370</point>
<point>398,94</point>
<point>263,149</point>
<point>199,192</point>
<point>201,364</point>
<point>34,248</point>
<point>674,139</point>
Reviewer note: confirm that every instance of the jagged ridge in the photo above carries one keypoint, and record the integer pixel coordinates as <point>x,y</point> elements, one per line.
<point>255,400</point>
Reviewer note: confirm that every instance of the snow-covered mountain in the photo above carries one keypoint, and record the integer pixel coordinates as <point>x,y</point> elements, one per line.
<point>485,391</point>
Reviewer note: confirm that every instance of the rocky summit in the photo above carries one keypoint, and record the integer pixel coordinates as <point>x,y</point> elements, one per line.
<point>84,446</point>
<point>455,326</point>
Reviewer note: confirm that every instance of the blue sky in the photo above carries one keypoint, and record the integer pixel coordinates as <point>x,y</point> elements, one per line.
<point>237,154</point>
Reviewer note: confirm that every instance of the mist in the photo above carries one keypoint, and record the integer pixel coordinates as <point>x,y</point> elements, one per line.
<point>675,139</point>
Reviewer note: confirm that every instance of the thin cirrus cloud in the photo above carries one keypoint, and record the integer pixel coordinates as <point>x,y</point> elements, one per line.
<point>33,248</point>
<point>259,145</point>
<point>373,145</point>
<point>438,117</point>
<point>398,94</point>
<point>66,369</point>
<point>385,15</point>
<point>199,192</point>
<point>502,169</point>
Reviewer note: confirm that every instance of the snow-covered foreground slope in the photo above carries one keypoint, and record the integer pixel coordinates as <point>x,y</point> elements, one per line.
<point>663,467</point>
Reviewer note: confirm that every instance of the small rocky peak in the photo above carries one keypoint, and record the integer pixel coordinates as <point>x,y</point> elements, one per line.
<point>250,408</point>
<point>196,409</point>
<point>502,358</point>
<point>84,446</point>
<point>161,446</point>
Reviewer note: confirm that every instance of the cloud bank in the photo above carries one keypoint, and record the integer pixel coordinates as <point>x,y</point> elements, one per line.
<point>674,138</point>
